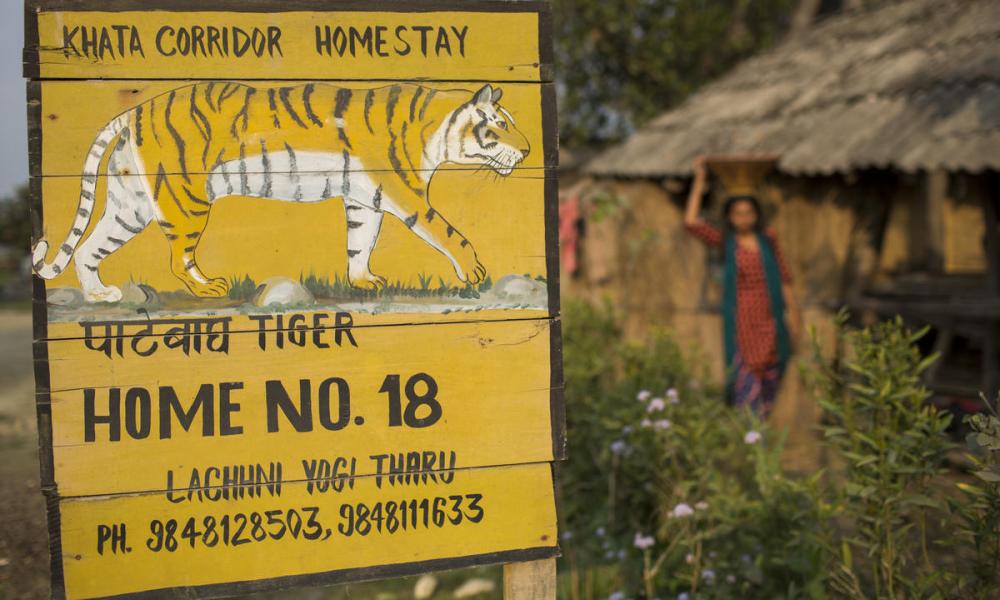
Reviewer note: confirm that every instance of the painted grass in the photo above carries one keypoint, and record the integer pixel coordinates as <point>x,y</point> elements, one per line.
<point>339,288</point>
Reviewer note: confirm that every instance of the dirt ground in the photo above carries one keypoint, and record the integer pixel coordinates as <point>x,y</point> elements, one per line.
<point>24,553</point>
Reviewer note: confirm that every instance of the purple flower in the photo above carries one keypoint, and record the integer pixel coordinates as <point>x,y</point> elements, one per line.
<point>617,596</point>
<point>682,510</point>
<point>662,424</point>
<point>642,542</point>
<point>600,532</point>
<point>673,397</point>
<point>618,447</point>
<point>656,405</point>
<point>752,437</point>
<point>683,596</point>
<point>644,395</point>
<point>708,575</point>
<point>627,429</point>
<point>567,535</point>
<point>646,423</point>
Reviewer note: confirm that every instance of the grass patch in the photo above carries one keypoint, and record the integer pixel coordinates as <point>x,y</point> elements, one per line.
<point>339,288</point>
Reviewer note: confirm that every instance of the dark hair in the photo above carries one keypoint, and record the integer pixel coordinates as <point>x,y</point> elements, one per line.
<point>732,201</point>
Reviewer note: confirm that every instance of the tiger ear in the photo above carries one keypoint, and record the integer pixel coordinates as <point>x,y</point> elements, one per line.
<point>484,95</point>
<point>497,93</point>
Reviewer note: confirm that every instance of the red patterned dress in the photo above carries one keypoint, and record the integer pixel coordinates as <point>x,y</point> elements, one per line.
<point>755,328</point>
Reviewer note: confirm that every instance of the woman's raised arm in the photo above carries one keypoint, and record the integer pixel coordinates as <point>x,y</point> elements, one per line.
<point>697,191</point>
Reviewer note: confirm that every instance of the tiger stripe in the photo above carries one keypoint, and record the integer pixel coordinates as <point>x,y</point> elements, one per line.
<point>178,139</point>
<point>310,113</point>
<point>342,101</point>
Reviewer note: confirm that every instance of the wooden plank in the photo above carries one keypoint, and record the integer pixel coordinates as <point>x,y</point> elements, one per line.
<point>489,525</point>
<point>534,580</point>
<point>497,226</point>
<point>461,395</point>
<point>363,117</point>
<point>483,41</point>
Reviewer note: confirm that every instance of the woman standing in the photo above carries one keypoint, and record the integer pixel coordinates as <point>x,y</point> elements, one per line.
<point>759,314</point>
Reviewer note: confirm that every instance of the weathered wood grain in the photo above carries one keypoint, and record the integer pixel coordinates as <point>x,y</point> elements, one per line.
<point>447,379</point>
<point>534,580</point>
<point>69,127</point>
<point>518,523</point>
<point>483,41</point>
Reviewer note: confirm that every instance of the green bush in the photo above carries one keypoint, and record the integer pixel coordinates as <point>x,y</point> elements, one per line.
<point>668,490</point>
<point>978,509</point>
<point>893,444</point>
<point>670,493</point>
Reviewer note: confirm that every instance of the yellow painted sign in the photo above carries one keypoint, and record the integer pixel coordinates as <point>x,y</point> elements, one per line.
<point>296,290</point>
<point>290,532</point>
<point>495,43</point>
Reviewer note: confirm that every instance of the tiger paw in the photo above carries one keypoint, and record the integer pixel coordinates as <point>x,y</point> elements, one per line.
<point>213,288</point>
<point>470,271</point>
<point>367,281</point>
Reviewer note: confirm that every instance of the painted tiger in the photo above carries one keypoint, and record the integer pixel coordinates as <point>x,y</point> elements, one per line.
<point>173,156</point>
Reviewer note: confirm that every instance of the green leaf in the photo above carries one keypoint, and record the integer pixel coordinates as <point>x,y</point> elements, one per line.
<point>989,476</point>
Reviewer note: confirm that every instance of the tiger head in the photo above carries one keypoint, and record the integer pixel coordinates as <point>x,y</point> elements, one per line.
<point>489,136</point>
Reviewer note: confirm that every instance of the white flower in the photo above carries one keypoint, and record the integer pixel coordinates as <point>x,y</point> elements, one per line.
<point>730,578</point>
<point>689,559</point>
<point>708,575</point>
<point>683,596</point>
<point>600,532</point>
<point>656,405</point>
<point>627,429</point>
<point>618,447</point>
<point>702,505</point>
<point>567,535</point>
<point>662,424</point>
<point>682,510</point>
<point>643,542</point>
<point>644,395</point>
<point>752,437</point>
<point>617,596</point>
<point>646,423</point>
<point>673,397</point>
<point>621,555</point>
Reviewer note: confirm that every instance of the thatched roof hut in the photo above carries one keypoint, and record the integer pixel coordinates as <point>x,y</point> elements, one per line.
<point>912,86</point>
<point>886,127</point>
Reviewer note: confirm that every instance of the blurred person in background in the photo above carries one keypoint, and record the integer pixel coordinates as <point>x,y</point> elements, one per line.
<point>759,314</point>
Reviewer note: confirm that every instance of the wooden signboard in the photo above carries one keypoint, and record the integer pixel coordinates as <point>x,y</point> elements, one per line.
<point>296,290</point>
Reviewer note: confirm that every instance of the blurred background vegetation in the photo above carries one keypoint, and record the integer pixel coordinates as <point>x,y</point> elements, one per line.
<point>619,63</point>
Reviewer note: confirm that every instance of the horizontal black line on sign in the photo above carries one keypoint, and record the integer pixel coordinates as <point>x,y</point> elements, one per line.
<point>399,486</point>
<point>546,77</point>
<point>405,320</point>
<point>506,6</point>
<point>346,575</point>
<point>540,172</point>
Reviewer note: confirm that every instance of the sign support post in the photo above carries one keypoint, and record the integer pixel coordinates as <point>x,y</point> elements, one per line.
<point>535,580</point>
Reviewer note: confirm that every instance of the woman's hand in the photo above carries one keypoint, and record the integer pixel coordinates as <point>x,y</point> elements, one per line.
<point>698,166</point>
